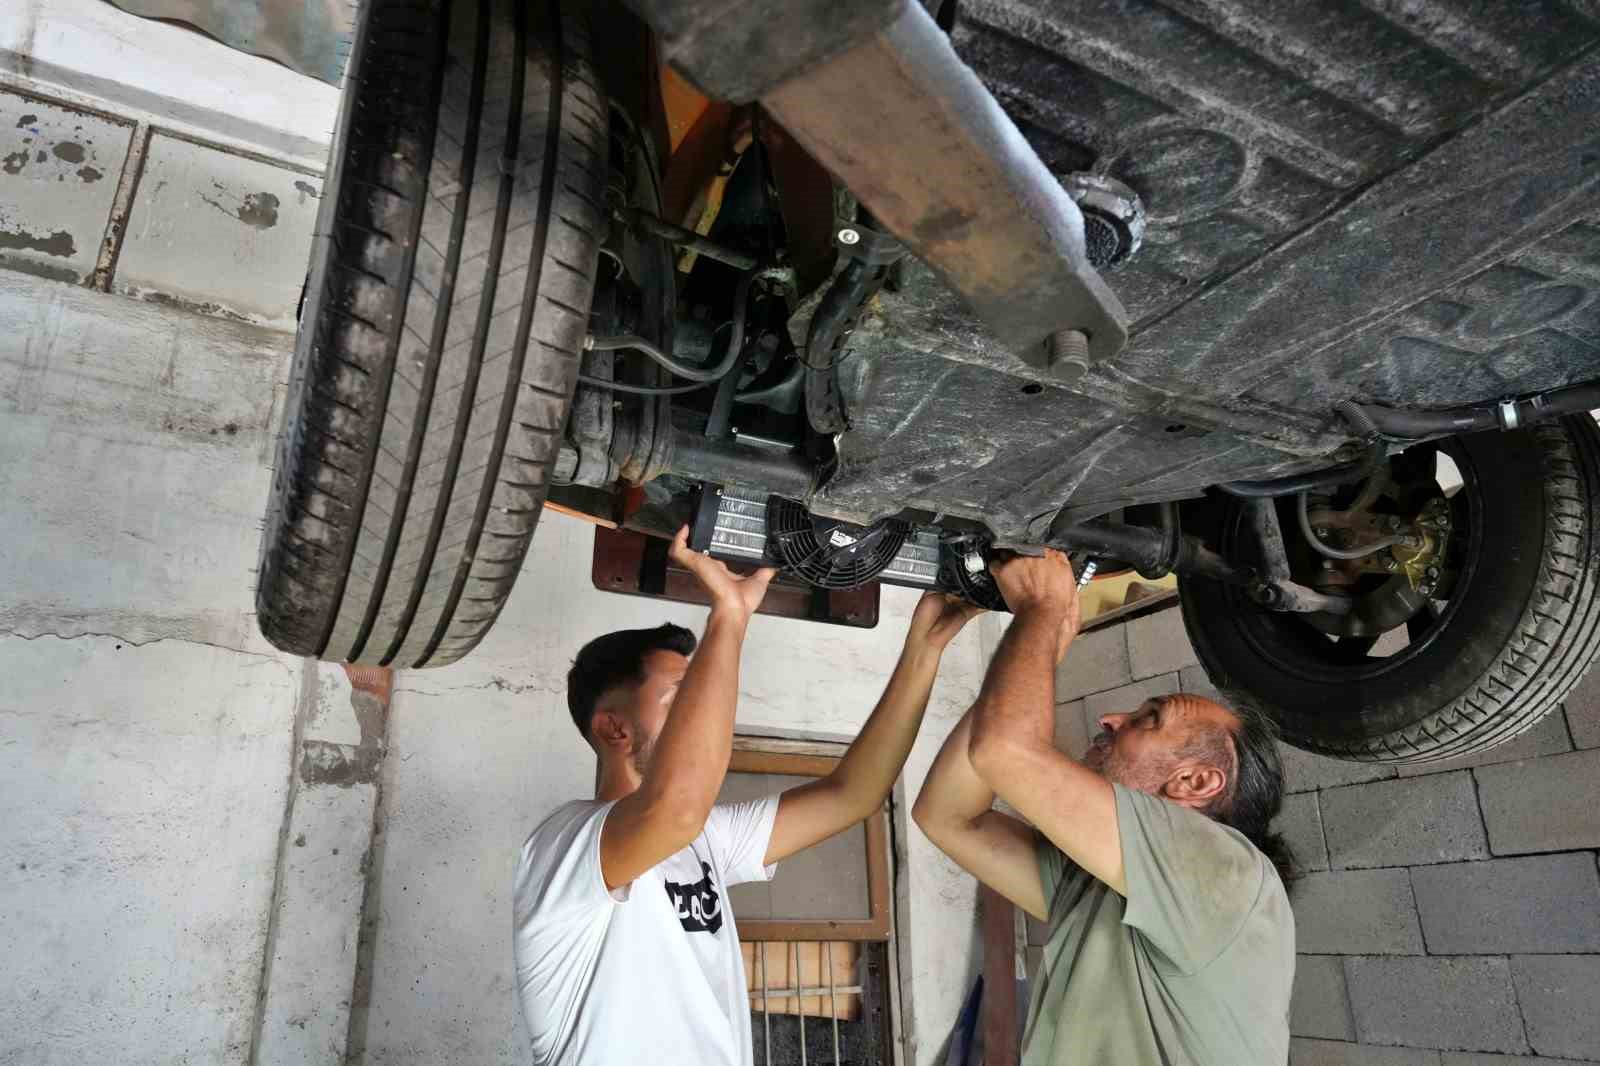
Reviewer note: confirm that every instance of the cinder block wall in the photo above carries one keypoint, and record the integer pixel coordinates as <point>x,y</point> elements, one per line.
<point>1446,915</point>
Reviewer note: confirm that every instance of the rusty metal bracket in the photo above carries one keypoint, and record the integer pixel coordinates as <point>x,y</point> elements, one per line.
<point>876,93</point>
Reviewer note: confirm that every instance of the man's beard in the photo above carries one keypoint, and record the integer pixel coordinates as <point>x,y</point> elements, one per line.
<point>1104,758</point>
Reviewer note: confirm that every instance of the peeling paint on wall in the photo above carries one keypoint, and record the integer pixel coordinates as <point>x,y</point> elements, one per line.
<point>59,243</point>
<point>257,209</point>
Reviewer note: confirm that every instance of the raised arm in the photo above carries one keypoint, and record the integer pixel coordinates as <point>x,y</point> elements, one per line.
<point>954,811</point>
<point>669,808</point>
<point>1013,722</point>
<point>858,785</point>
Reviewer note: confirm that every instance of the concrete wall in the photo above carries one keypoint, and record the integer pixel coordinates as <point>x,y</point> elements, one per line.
<point>1449,914</point>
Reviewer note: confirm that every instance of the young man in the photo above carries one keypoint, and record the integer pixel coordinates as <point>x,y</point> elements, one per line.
<point>1171,939</point>
<point>625,950</point>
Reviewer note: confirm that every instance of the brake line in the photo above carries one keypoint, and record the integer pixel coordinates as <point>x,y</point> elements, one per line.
<point>1303,513</point>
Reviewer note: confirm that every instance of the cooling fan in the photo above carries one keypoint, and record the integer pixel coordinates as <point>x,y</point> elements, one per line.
<point>827,552</point>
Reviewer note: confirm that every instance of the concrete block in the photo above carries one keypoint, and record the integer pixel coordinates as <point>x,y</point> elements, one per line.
<point>1304,1052</point>
<point>1547,737</point>
<point>219,234</point>
<point>1583,710</point>
<point>59,168</point>
<point>1560,998</point>
<point>1547,804</point>
<point>306,1016</point>
<point>1541,903</point>
<point>1319,1005</point>
<point>1195,681</point>
<point>1158,644</point>
<point>148,443</point>
<point>1096,661</point>
<point>1403,823</point>
<point>144,793</point>
<point>1072,731</point>
<point>1300,823</point>
<point>1127,698</point>
<point>1356,912</point>
<point>1304,771</point>
<point>1457,1004</point>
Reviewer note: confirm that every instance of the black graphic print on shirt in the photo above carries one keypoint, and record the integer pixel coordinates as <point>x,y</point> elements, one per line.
<point>699,908</point>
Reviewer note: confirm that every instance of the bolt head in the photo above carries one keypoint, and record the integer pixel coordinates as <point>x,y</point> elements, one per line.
<point>1321,531</point>
<point>1433,573</point>
<point>1390,564</point>
<point>849,236</point>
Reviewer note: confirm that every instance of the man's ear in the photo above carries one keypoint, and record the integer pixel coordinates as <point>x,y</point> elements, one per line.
<point>610,730</point>
<point>1195,784</point>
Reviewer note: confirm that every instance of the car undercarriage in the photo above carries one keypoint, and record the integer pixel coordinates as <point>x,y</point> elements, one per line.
<point>1287,302</point>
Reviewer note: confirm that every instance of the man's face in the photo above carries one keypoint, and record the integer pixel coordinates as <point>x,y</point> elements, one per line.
<point>650,702</point>
<point>1142,749</point>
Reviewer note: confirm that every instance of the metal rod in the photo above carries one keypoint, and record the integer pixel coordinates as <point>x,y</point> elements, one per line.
<point>685,238</point>
<point>800,1003</point>
<point>817,990</point>
<point>766,1006</point>
<point>833,1005</point>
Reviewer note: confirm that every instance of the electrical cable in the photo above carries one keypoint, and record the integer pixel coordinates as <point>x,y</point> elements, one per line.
<point>1304,515</point>
<point>683,370</point>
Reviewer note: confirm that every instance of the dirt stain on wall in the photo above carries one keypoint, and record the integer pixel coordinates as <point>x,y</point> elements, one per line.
<point>58,243</point>
<point>258,210</point>
<point>70,151</point>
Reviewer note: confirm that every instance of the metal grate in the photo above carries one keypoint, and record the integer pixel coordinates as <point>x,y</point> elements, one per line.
<point>846,1023</point>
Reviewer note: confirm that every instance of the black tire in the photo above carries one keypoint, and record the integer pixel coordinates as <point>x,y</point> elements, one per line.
<point>1521,625</point>
<point>439,344</point>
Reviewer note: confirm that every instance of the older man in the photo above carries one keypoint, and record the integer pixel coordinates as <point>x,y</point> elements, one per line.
<point>1171,939</point>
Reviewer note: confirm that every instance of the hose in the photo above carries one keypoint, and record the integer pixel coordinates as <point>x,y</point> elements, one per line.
<point>1304,515</point>
<point>635,343</point>
<point>1414,425</point>
<point>1320,479</point>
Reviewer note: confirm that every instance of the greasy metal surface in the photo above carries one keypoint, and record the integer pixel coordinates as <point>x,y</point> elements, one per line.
<point>1394,202</point>
<point>737,50</point>
<point>905,124</point>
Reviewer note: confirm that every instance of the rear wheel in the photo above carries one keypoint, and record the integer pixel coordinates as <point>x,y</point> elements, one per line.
<point>1462,655</point>
<point>440,337</point>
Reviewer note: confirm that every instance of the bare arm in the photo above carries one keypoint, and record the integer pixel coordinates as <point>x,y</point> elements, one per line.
<point>1012,747</point>
<point>954,810</point>
<point>859,784</point>
<point>669,808</point>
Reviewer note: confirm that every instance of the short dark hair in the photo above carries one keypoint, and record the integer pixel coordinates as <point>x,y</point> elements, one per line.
<point>1255,796</point>
<point>617,659</point>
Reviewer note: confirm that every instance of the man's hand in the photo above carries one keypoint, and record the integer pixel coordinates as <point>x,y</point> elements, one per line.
<point>1041,585</point>
<point>937,620</point>
<point>728,591</point>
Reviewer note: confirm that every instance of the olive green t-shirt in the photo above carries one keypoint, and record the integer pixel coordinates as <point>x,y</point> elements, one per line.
<point>1194,967</point>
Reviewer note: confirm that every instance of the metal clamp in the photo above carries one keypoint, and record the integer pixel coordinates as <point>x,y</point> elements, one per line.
<point>1507,412</point>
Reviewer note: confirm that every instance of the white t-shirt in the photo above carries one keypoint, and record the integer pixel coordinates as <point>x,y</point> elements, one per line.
<point>650,973</point>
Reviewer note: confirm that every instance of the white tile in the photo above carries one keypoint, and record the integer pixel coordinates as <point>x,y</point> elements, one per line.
<point>219,234</point>
<point>59,169</point>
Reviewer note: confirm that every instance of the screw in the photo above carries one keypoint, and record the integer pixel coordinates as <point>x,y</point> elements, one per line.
<point>1433,573</point>
<point>849,236</point>
<point>1391,565</point>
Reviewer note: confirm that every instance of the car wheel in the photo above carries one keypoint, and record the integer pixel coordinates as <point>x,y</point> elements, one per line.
<point>443,322</point>
<point>1499,628</point>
